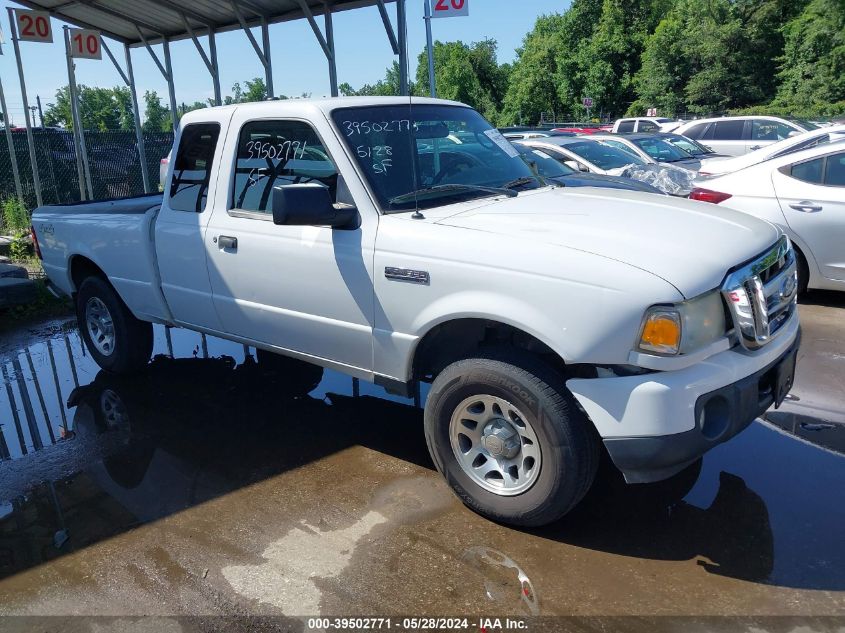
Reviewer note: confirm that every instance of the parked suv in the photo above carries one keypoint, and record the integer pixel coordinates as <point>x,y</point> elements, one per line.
<point>640,124</point>
<point>738,135</point>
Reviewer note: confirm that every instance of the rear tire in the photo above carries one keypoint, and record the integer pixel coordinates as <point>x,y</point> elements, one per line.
<point>296,377</point>
<point>524,485</point>
<point>118,342</point>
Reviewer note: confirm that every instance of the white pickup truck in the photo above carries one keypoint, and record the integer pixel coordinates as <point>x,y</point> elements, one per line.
<point>404,240</point>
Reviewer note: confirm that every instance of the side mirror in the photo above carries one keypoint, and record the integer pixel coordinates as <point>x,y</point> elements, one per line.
<point>793,133</point>
<point>574,164</point>
<point>311,204</point>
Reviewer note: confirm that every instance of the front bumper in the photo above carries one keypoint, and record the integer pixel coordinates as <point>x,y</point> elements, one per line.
<point>654,425</point>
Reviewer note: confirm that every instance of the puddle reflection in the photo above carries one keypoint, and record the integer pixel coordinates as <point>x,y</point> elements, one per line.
<point>85,456</point>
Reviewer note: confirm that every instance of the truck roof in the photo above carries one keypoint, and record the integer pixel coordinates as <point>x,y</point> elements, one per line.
<point>291,107</point>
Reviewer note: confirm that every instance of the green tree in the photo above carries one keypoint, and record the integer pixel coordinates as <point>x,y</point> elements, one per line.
<point>256,90</point>
<point>536,78</point>
<point>813,62</point>
<point>156,116</point>
<point>99,109</point>
<point>389,86</point>
<point>466,73</point>
<point>664,72</point>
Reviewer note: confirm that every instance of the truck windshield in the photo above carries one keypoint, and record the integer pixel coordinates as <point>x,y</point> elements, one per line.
<point>428,155</point>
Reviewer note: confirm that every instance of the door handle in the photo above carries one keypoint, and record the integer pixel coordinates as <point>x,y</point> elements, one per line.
<point>755,147</point>
<point>225,242</point>
<point>806,207</point>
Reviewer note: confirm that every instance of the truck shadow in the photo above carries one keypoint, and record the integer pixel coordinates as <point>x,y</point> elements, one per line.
<point>188,430</point>
<point>825,298</point>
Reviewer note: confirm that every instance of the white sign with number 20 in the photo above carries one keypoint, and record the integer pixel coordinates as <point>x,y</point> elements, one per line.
<point>449,8</point>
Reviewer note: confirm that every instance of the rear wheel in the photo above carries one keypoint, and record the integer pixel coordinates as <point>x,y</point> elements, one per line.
<point>118,342</point>
<point>510,439</point>
<point>295,377</point>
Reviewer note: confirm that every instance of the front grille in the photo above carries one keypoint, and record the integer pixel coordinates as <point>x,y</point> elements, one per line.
<point>762,295</point>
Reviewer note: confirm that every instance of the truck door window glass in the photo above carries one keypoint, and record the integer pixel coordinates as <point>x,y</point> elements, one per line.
<point>809,171</point>
<point>834,173</point>
<point>192,169</point>
<point>728,130</point>
<point>648,126</point>
<point>404,150</point>
<point>275,152</point>
<point>625,126</point>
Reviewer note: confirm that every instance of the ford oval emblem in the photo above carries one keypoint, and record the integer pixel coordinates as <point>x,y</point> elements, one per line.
<point>787,287</point>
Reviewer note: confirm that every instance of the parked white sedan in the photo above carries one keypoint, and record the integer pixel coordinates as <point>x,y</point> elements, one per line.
<point>789,145</point>
<point>804,194</point>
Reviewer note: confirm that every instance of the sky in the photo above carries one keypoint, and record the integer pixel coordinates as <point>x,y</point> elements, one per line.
<point>299,65</point>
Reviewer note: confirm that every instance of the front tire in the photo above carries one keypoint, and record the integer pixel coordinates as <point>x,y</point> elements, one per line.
<point>118,342</point>
<point>510,439</point>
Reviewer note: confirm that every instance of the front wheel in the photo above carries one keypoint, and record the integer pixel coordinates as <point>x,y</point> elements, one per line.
<point>118,342</point>
<point>510,439</point>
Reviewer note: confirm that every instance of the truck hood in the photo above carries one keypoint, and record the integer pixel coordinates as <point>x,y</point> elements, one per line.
<point>692,245</point>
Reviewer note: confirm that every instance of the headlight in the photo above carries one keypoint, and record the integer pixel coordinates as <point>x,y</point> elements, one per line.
<point>684,327</point>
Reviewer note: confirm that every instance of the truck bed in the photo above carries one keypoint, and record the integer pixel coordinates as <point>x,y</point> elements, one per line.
<point>115,235</point>
<point>133,205</point>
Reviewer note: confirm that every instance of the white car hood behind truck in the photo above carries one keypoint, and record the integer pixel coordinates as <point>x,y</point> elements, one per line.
<point>692,245</point>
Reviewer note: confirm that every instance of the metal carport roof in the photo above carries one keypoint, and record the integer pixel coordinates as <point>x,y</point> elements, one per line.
<point>155,19</point>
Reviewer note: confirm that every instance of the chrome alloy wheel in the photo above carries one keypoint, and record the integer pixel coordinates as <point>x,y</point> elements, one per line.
<point>100,326</point>
<point>495,445</point>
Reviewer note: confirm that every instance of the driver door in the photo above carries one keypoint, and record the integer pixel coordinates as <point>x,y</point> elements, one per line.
<point>306,289</point>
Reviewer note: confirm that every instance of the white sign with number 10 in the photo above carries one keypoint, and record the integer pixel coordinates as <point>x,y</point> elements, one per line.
<point>449,8</point>
<point>85,43</point>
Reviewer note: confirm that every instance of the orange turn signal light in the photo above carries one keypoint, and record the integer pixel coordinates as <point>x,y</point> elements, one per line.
<point>661,332</point>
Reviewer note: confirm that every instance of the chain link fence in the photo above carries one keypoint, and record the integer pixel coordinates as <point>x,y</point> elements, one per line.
<point>113,158</point>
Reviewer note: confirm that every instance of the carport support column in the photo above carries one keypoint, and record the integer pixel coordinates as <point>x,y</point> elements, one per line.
<point>10,141</point>
<point>36,178</point>
<point>330,42</point>
<point>268,65</point>
<point>402,26</point>
<point>78,143</point>
<point>139,134</point>
<point>215,68</point>
<point>171,88</point>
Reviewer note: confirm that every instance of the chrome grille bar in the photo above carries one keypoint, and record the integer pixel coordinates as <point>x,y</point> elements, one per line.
<point>761,295</point>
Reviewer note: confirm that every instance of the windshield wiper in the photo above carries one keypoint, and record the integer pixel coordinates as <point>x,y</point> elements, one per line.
<point>454,188</point>
<point>513,184</point>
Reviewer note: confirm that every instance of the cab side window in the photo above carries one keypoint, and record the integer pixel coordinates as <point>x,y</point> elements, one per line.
<point>648,126</point>
<point>192,168</point>
<point>626,126</point>
<point>272,153</point>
